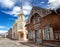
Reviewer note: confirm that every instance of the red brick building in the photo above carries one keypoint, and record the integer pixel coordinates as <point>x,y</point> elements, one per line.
<point>43,25</point>
<point>51,21</point>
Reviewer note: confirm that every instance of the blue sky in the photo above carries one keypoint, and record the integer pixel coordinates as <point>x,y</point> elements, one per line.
<point>9,10</point>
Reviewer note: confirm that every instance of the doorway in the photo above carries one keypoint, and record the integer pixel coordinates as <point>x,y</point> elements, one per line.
<point>21,35</point>
<point>37,39</point>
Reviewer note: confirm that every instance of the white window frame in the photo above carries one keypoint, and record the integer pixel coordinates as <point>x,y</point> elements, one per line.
<point>46,35</point>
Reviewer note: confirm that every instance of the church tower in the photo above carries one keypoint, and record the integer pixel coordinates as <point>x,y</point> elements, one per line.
<point>19,30</point>
<point>21,16</point>
<point>21,26</point>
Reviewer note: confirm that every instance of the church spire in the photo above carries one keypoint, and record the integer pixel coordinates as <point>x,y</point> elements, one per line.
<point>21,12</point>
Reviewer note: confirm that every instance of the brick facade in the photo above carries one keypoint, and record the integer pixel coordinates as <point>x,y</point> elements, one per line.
<point>42,25</point>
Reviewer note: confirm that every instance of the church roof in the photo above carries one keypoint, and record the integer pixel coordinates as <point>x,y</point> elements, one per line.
<point>41,11</point>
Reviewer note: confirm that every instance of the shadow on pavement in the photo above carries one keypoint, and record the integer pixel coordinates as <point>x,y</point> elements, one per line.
<point>29,44</point>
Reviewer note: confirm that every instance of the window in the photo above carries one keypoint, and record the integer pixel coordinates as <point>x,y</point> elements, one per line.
<point>38,18</point>
<point>34,21</point>
<point>22,35</point>
<point>20,25</point>
<point>33,34</point>
<point>30,35</point>
<point>21,17</point>
<point>47,34</point>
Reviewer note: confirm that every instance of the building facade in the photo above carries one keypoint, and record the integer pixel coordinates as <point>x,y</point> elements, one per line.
<point>6,35</point>
<point>51,28</point>
<point>19,30</point>
<point>41,25</point>
<point>14,31</point>
<point>10,33</point>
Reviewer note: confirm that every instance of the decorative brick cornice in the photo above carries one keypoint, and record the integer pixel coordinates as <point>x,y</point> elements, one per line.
<point>41,11</point>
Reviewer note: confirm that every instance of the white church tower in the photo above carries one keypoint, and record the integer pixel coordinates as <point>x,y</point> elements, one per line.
<point>19,30</point>
<point>21,22</point>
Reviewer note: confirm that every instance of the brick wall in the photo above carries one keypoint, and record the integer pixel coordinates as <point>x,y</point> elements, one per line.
<point>52,19</point>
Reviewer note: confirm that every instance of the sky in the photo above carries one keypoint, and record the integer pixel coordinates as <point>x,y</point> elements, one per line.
<point>9,10</point>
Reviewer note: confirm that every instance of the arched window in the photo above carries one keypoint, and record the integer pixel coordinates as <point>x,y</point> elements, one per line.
<point>35,18</point>
<point>38,18</point>
<point>31,20</point>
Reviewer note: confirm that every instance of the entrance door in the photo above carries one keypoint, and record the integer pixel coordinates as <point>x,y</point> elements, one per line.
<point>37,39</point>
<point>21,36</point>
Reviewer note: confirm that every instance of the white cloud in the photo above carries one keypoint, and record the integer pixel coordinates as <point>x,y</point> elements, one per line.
<point>27,9</point>
<point>16,10</point>
<point>26,6</point>
<point>26,12</point>
<point>7,3</point>
<point>54,4</point>
<point>52,0</point>
<point>41,2</point>
<point>3,31</point>
<point>2,26</point>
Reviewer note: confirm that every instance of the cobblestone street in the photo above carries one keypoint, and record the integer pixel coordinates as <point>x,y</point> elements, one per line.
<point>4,42</point>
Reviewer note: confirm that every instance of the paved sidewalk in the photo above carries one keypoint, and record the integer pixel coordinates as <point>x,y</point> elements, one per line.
<point>57,44</point>
<point>31,44</point>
